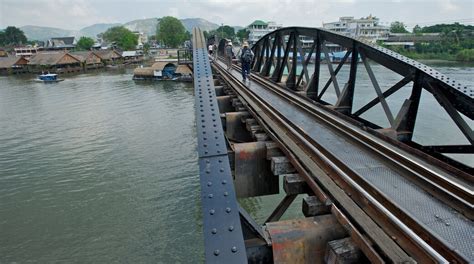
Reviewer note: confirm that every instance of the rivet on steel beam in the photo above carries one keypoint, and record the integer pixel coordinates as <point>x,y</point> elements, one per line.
<point>216,252</point>
<point>212,211</point>
<point>234,249</point>
<point>231,228</point>
<point>224,182</point>
<point>228,210</point>
<point>214,231</point>
<point>226,193</point>
<point>209,183</point>
<point>221,169</point>
<point>210,195</point>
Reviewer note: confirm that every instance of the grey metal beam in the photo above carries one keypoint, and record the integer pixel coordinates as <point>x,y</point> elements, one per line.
<point>223,238</point>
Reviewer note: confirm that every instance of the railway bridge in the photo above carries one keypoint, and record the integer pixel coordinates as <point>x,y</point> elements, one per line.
<point>369,186</point>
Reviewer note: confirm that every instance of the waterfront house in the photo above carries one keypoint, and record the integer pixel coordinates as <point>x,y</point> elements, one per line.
<point>89,60</point>
<point>65,43</point>
<point>13,65</point>
<point>54,62</point>
<point>132,57</point>
<point>366,28</point>
<point>3,53</point>
<point>258,29</point>
<point>109,57</point>
<point>26,52</point>
<point>163,70</point>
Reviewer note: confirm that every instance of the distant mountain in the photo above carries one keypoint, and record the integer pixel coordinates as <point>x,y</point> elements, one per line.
<point>237,28</point>
<point>94,30</point>
<point>190,23</point>
<point>45,33</point>
<point>147,26</point>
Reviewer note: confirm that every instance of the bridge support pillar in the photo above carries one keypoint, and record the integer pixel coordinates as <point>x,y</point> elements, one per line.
<point>235,129</point>
<point>224,103</point>
<point>303,240</point>
<point>252,171</point>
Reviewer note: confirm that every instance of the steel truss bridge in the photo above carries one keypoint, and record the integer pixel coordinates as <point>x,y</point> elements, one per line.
<point>372,193</point>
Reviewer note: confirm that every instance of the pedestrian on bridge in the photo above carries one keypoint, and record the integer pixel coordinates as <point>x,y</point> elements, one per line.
<point>246,56</point>
<point>210,49</point>
<point>229,54</point>
<point>214,48</point>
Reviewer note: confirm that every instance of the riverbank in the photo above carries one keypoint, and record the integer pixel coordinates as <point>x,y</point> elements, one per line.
<point>463,56</point>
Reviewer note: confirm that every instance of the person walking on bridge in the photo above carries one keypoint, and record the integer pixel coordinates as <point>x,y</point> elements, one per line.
<point>214,48</point>
<point>229,54</point>
<point>246,56</point>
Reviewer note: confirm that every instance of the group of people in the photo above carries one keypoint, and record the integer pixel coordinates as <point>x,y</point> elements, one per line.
<point>245,55</point>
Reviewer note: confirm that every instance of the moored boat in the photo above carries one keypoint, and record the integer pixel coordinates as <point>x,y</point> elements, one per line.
<point>49,77</point>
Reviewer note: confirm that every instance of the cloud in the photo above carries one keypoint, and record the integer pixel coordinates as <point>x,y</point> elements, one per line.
<point>74,14</point>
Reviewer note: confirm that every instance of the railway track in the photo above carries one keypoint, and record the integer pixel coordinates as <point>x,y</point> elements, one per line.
<point>385,228</point>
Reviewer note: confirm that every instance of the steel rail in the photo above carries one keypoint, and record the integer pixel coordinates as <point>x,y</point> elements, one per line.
<point>368,141</point>
<point>457,195</point>
<point>372,200</point>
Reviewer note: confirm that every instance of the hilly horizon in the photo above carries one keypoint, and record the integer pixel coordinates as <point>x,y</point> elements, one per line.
<point>147,26</point>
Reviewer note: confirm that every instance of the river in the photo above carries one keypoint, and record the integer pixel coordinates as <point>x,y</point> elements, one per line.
<point>100,169</point>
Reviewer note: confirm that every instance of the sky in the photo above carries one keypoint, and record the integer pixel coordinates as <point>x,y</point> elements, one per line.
<point>76,14</point>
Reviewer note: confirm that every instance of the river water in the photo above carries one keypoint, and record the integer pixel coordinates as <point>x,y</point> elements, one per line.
<point>100,169</point>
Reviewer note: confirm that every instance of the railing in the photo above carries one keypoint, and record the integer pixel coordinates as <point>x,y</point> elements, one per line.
<point>185,56</point>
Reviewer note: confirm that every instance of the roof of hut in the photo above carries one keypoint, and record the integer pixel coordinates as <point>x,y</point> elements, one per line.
<point>183,69</point>
<point>51,58</point>
<point>146,71</point>
<point>107,54</point>
<point>161,65</point>
<point>8,62</point>
<point>81,55</point>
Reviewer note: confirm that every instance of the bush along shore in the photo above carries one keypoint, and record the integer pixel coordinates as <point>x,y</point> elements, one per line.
<point>456,43</point>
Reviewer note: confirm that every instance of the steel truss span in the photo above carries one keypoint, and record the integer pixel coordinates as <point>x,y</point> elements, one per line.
<point>390,200</point>
<point>285,56</point>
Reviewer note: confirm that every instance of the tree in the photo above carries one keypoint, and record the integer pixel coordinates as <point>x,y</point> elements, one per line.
<point>243,34</point>
<point>123,37</point>
<point>85,43</point>
<point>417,29</point>
<point>12,36</point>
<point>171,32</point>
<point>398,27</point>
<point>227,32</point>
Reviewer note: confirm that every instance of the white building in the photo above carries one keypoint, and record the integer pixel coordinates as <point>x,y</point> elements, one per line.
<point>142,39</point>
<point>258,29</point>
<point>368,28</point>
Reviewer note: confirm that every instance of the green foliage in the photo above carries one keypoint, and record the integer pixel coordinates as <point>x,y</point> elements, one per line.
<point>188,35</point>
<point>171,32</point>
<point>243,34</point>
<point>440,28</point>
<point>123,37</point>
<point>456,43</point>
<point>12,36</point>
<point>146,48</point>
<point>465,55</point>
<point>85,43</point>
<point>417,29</point>
<point>227,32</point>
<point>398,27</point>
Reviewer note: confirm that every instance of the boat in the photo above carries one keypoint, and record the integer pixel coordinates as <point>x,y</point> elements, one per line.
<point>163,71</point>
<point>48,78</point>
